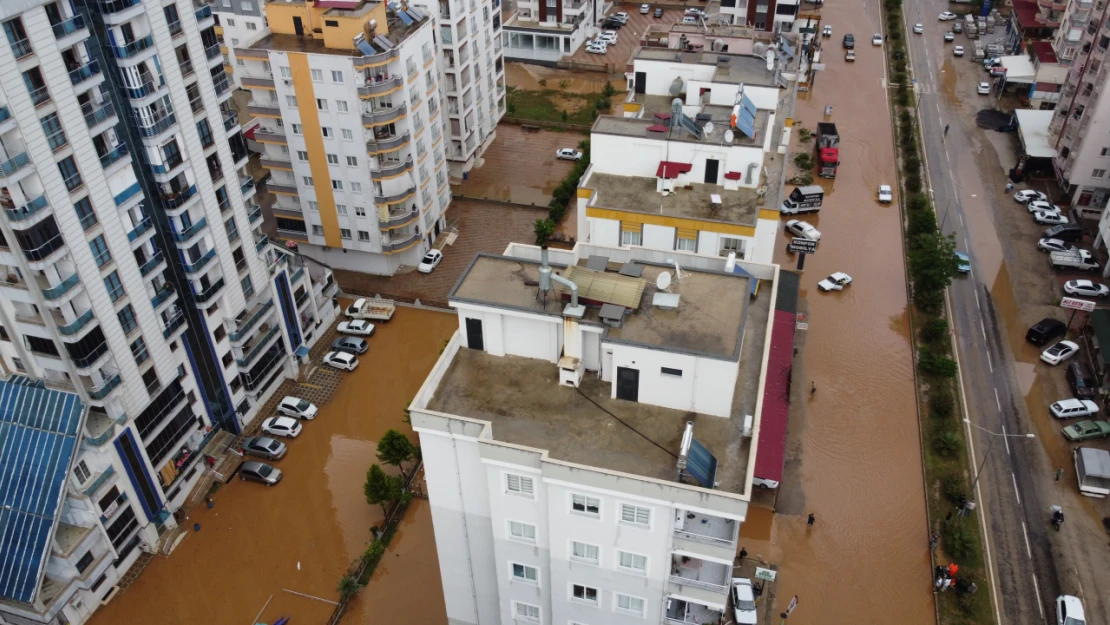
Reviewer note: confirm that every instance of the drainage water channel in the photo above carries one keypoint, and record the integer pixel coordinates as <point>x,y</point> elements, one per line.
<point>855,449</point>
<point>302,534</point>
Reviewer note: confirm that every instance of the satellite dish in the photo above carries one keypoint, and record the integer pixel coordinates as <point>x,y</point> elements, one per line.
<point>676,86</point>
<point>729,136</point>
<point>708,128</point>
<point>663,282</point>
<point>373,23</point>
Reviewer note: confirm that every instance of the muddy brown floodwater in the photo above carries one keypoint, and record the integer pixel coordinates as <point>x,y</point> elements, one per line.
<point>860,456</point>
<point>259,543</point>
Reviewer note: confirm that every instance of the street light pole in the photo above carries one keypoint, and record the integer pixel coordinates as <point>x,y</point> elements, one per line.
<point>994,436</point>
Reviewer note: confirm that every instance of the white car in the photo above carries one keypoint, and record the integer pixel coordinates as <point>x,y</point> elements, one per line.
<point>690,19</point>
<point>356,307</point>
<point>1059,352</point>
<point>918,29</point>
<point>1049,218</point>
<point>1069,611</point>
<point>282,426</point>
<point>993,61</point>
<point>886,194</point>
<point>835,282</point>
<point>802,229</point>
<point>946,16</point>
<point>827,31</point>
<point>430,261</point>
<point>341,360</point>
<point>1073,408</point>
<point>958,51</point>
<point>645,9</point>
<point>1086,288</point>
<point>608,36</point>
<point>1055,245</point>
<point>1041,205</point>
<point>1028,195</point>
<point>876,39</point>
<point>984,88</point>
<point>949,36</point>
<point>597,47</point>
<point>358,327</point>
<point>620,16</point>
<point>568,154</point>
<point>743,601</point>
<point>296,407</point>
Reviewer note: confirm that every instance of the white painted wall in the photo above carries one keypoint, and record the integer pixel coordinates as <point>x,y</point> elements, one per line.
<point>705,386</point>
<point>628,156</point>
<point>766,235</point>
<point>724,94</point>
<point>658,237</point>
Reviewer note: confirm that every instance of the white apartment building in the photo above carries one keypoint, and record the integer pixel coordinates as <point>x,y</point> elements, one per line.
<point>132,272</point>
<point>238,23</point>
<point>363,120</point>
<point>544,31</point>
<point>587,434</point>
<point>767,15</point>
<point>698,187</point>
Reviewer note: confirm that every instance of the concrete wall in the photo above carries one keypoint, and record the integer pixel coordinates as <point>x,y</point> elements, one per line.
<point>626,156</point>
<point>705,386</point>
<point>509,333</point>
<point>723,94</point>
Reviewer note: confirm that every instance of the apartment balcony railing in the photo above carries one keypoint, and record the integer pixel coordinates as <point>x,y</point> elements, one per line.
<point>200,263</point>
<point>261,243</point>
<point>103,438</point>
<point>101,113</point>
<point>203,13</point>
<point>102,391</point>
<point>276,163</point>
<point>231,120</point>
<point>78,324</point>
<point>205,296</point>
<point>376,146</point>
<point>123,196</point>
<point>134,48</point>
<point>151,264</point>
<point>271,137</point>
<point>26,211</point>
<point>222,84</point>
<point>173,201</point>
<point>255,215</point>
<point>115,6</point>
<point>374,60</point>
<point>175,28</point>
<point>246,185</point>
<point>397,218</point>
<point>172,162</point>
<point>114,156</point>
<point>173,325</point>
<point>143,91</point>
<point>162,296</point>
<point>22,48</point>
<point>400,241</point>
<point>156,128</point>
<point>95,357</point>
<point>40,96</point>
<point>297,275</point>
<point>384,116</point>
<point>285,189</point>
<point>14,164</point>
<point>379,86</point>
<point>212,51</point>
<point>265,110</point>
<point>186,235</point>
<point>187,68</point>
<point>397,197</point>
<point>85,72</point>
<point>252,319</point>
<point>391,169</point>
<point>5,114</point>
<point>252,353</point>
<point>57,291</point>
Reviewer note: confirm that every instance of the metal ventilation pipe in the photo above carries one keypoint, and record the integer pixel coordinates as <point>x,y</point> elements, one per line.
<point>570,285</point>
<point>545,271</point>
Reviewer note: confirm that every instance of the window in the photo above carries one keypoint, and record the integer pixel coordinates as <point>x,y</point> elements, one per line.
<point>337,185</point>
<point>68,168</point>
<point>352,161</point>
<point>52,126</point>
<point>291,100</point>
<point>584,594</point>
<point>302,155</point>
<point>356,187</point>
<point>430,81</point>
<point>420,147</point>
<point>585,505</point>
<point>363,235</point>
<point>127,319</point>
<point>247,6</point>
<point>114,286</point>
<point>1104,152</point>
<point>348,135</point>
<point>240,63</point>
<point>341,106</point>
<point>326,132</point>
<point>81,472</point>
<point>522,531</point>
<point>285,71</point>
<point>410,66</point>
<point>313,206</point>
<point>85,213</point>
<point>686,245</point>
<point>336,76</point>
<point>635,515</point>
<point>307,180</point>
<point>321,104</point>
<point>632,562</point>
<point>252,26</point>
<point>525,573</point>
<point>100,251</point>
<point>526,612</point>
<point>630,238</point>
<point>345,233</point>
<point>333,159</point>
<point>360,211</point>
<point>331,23</point>
<point>151,381</point>
<point>518,484</point>
<point>732,245</point>
<point>297,129</point>
<point>629,604</point>
<point>584,552</point>
<point>317,74</point>
<point>1098,173</point>
<point>230,22</point>
<point>341,209</point>
<point>670,371</point>
<point>139,351</point>
<point>318,230</point>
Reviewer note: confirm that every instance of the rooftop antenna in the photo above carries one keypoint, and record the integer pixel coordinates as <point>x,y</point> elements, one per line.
<point>677,269</point>
<point>663,282</point>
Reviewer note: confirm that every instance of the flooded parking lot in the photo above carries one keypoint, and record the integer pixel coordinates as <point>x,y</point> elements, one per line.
<point>286,547</point>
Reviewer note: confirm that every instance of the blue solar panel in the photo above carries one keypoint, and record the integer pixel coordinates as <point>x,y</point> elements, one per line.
<point>38,439</point>
<point>747,105</point>
<point>701,464</point>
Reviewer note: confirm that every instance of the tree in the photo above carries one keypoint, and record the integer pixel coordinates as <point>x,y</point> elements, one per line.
<point>543,229</point>
<point>932,266</point>
<point>395,449</point>
<point>380,488</point>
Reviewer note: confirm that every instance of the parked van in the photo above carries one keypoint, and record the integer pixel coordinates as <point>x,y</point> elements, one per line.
<point>806,199</point>
<point>1073,408</point>
<point>1081,380</point>
<point>1065,232</point>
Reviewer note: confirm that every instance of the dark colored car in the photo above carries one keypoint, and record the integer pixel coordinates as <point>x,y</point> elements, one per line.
<point>349,344</point>
<point>264,447</point>
<point>658,12</point>
<point>1081,380</point>
<point>1045,330</point>
<point>260,472</point>
<point>1065,232</point>
<point>612,24</point>
<point>849,41</point>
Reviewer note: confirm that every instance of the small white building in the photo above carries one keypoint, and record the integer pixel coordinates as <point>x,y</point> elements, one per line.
<point>545,31</point>
<point>767,15</point>
<point>588,448</point>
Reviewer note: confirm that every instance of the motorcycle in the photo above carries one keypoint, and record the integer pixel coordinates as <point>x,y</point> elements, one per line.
<point>1057,517</point>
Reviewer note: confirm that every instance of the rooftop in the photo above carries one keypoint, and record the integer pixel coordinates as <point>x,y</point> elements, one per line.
<point>522,400</point>
<point>637,194</point>
<point>638,126</point>
<point>732,69</point>
<point>709,320</point>
<point>398,32</point>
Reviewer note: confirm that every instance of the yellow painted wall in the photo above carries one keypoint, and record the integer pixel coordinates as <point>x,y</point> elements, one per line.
<point>280,17</point>
<point>626,217</point>
<point>314,145</point>
<point>766,213</point>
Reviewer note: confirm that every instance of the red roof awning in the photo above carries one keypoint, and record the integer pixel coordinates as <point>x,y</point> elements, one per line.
<point>1044,51</point>
<point>657,128</point>
<point>733,175</point>
<point>773,418</point>
<point>250,133</point>
<point>668,169</point>
<point>663,115</point>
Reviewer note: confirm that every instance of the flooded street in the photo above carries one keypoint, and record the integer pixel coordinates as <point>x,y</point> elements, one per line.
<point>858,449</point>
<point>258,546</point>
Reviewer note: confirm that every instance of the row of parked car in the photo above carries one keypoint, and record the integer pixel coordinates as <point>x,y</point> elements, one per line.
<point>286,424</point>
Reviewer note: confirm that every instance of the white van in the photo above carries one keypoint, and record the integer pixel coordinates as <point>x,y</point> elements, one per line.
<point>1073,408</point>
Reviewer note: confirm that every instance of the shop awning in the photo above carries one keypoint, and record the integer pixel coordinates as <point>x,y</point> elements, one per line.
<point>1019,69</point>
<point>1033,130</point>
<point>669,169</point>
<point>771,449</point>
<point>1100,328</point>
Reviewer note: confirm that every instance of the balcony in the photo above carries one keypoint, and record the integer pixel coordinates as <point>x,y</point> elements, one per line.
<point>142,228</point>
<point>251,319</point>
<point>398,218</point>
<point>175,28</point>
<point>173,325</point>
<point>390,169</point>
<point>222,86</point>
<point>277,138</point>
<point>375,60</point>
<point>253,349</point>
<point>101,392</point>
<point>156,128</point>
<point>162,297</point>
<point>260,244</point>
<point>96,357</point>
<point>264,110</point>
<point>699,579</point>
<point>114,156</point>
<point>702,533</point>
<point>185,236</point>
<point>257,83</point>
<point>78,324</point>
<point>83,73</point>
<point>14,164</point>
<point>133,49</point>
<point>276,163</point>
<point>398,242</point>
<point>187,68</point>
<point>40,96</point>
<point>208,295</point>
<point>57,291</point>
<point>387,143</point>
<point>115,6</point>
<point>681,612</point>
<point>203,14</point>
<point>174,201</point>
<point>246,185</point>
<point>123,196</point>
<point>384,116</point>
<point>28,210</point>
<point>396,198</point>
<point>199,264</point>
<point>152,264</point>
<point>380,86</point>
<point>95,116</point>
<point>231,120</point>
<point>22,49</point>
<point>283,189</point>
<point>141,92</point>
<point>255,215</point>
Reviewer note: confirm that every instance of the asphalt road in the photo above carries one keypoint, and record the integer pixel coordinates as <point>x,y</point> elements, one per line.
<point>1013,490</point>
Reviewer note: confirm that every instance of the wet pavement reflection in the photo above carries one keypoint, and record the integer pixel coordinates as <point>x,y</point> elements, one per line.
<point>257,544</point>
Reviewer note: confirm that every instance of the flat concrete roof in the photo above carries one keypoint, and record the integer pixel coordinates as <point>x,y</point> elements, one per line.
<point>709,320</point>
<point>522,400</point>
<point>398,32</point>
<point>739,68</point>
<point>720,116</point>
<point>639,195</point>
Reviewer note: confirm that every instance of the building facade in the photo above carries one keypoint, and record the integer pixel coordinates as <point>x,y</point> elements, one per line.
<point>767,15</point>
<point>362,138</point>
<point>135,276</point>
<point>544,32</point>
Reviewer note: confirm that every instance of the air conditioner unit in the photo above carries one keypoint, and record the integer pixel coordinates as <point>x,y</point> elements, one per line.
<point>288,83</point>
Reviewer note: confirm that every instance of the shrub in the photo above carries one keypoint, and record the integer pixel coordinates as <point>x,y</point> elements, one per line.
<point>921,222</point>
<point>510,109</point>
<point>947,443</point>
<point>564,85</point>
<point>958,541</point>
<point>348,585</point>
<point>898,77</point>
<point>803,160</point>
<point>804,135</point>
<point>912,163</point>
<point>608,90</point>
<point>542,82</point>
<point>565,116</point>
<point>374,552</point>
<point>603,103</point>
<point>913,182</point>
<point>952,486</point>
<point>935,364</point>
<point>918,203</point>
<point>934,331</point>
